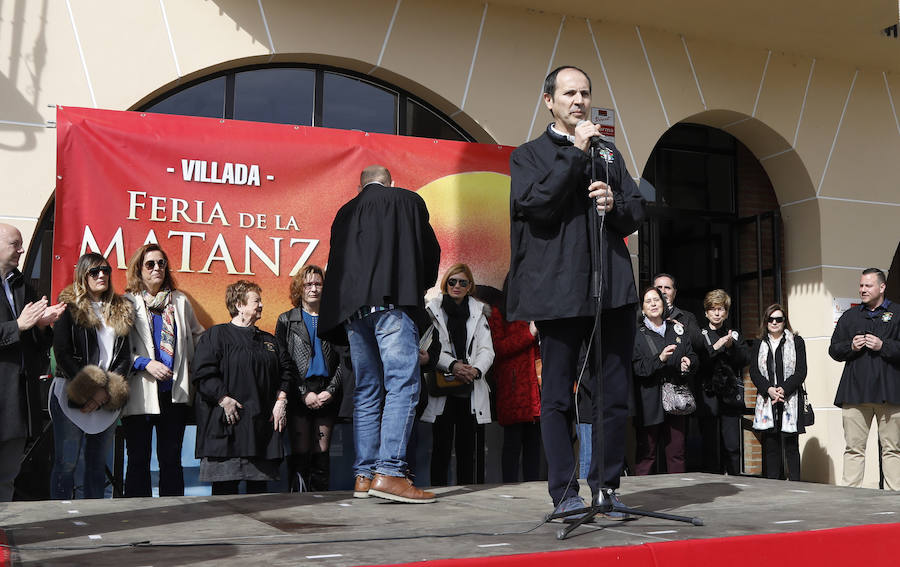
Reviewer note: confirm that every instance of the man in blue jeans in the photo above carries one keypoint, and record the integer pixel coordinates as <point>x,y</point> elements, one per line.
<point>383,257</point>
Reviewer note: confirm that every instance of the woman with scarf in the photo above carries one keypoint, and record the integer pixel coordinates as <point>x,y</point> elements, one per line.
<point>466,355</point>
<point>91,345</point>
<point>162,342</point>
<point>662,354</point>
<point>778,370</point>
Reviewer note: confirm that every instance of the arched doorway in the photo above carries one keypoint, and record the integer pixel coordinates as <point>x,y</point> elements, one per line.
<point>713,222</point>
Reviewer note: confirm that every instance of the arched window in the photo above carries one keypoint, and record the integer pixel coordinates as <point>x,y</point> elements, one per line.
<point>308,96</point>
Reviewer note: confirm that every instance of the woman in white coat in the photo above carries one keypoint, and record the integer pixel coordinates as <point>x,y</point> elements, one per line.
<point>466,355</point>
<point>162,346</point>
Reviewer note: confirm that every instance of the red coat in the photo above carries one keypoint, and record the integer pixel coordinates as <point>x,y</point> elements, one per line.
<point>515,352</point>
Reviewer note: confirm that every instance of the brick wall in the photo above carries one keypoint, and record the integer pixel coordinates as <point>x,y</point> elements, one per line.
<point>755,195</point>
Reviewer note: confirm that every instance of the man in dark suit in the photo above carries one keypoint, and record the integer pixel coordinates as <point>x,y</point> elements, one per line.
<point>25,339</point>
<point>383,257</point>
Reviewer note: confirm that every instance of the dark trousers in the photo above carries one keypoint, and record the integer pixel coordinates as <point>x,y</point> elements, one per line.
<point>671,431</point>
<point>561,341</point>
<point>521,439</point>
<point>169,426</point>
<point>455,428</point>
<point>778,464</point>
<point>721,444</point>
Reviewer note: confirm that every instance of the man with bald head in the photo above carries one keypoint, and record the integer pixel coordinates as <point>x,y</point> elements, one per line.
<point>25,341</point>
<point>383,257</point>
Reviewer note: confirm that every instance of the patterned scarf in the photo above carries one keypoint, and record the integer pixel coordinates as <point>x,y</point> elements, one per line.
<point>789,357</point>
<point>161,303</point>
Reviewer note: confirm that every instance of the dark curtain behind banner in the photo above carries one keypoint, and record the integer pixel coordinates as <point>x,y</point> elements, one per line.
<point>229,199</point>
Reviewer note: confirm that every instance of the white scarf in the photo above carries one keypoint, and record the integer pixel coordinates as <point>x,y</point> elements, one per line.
<point>789,359</point>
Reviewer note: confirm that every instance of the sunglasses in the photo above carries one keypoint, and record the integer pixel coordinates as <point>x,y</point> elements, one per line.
<point>95,272</point>
<point>775,319</point>
<point>150,264</point>
<point>453,281</point>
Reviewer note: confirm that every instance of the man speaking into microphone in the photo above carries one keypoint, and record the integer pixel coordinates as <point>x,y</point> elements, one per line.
<point>552,196</point>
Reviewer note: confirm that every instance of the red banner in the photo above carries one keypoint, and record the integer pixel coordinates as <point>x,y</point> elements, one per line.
<point>228,199</point>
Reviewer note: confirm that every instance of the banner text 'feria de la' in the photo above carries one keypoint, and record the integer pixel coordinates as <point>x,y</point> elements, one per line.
<point>228,199</point>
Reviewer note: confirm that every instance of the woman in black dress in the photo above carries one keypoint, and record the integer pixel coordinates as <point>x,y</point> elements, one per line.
<point>242,379</point>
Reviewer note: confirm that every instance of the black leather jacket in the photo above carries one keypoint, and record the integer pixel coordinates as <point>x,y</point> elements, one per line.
<point>293,338</point>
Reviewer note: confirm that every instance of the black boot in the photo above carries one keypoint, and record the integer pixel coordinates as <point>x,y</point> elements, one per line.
<point>298,472</point>
<point>319,472</point>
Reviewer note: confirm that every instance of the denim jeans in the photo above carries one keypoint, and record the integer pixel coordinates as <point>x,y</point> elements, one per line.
<point>68,440</point>
<point>384,348</point>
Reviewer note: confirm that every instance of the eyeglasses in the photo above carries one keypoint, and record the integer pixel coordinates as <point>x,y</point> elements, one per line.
<point>462,283</point>
<point>150,264</point>
<point>308,285</point>
<point>775,319</point>
<point>95,272</point>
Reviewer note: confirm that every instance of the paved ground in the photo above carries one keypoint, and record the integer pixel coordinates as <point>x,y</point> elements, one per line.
<point>332,529</point>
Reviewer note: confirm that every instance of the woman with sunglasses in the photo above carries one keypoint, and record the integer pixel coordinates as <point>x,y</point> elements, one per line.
<point>466,354</point>
<point>316,400</point>
<point>162,341</point>
<point>778,370</point>
<point>93,356</point>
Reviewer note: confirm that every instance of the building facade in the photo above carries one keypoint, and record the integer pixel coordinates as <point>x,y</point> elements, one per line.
<point>807,91</point>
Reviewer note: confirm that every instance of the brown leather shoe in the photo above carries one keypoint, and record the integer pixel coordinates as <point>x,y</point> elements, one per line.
<point>361,488</point>
<point>399,489</point>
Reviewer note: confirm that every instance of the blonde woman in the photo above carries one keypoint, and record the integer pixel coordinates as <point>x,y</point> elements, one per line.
<point>467,353</point>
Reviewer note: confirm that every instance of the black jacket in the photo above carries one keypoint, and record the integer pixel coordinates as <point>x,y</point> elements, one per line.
<point>383,251</point>
<point>23,358</point>
<point>650,372</point>
<point>868,376</point>
<point>75,335</point>
<point>293,337</point>
<point>247,365</point>
<point>736,357</point>
<point>549,232</point>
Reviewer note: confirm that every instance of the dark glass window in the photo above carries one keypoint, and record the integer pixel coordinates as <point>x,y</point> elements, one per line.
<point>426,124</point>
<point>278,95</point>
<point>352,104</point>
<point>203,99</point>
<point>309,96</point>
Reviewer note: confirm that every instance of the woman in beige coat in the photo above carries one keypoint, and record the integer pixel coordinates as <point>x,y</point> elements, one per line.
<point>162,346</point>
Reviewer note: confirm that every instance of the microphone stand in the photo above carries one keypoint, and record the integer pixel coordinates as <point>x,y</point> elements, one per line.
<point>604,502</point>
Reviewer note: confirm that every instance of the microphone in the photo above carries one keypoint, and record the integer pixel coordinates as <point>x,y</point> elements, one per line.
<point>595,140</point>
<point>596,143</point>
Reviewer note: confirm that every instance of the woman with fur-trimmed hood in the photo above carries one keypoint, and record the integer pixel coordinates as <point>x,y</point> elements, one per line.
<point>93,356</point>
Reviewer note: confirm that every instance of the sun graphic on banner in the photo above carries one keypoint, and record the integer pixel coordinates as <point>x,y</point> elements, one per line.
<point>470,216</point>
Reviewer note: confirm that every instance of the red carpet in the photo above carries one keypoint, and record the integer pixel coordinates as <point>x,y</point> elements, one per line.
<point>858,545</point>
<point>4,551</point>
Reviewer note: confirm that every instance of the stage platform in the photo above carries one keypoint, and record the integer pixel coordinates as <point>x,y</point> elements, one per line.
<point>468,525</point>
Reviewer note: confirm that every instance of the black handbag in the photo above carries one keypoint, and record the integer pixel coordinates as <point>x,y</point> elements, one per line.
<point>808,416</point>
<point>728,386</point>
<point>438,383</point>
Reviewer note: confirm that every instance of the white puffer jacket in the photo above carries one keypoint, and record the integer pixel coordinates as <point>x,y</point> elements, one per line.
<point>480,354</point>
